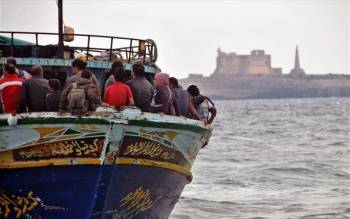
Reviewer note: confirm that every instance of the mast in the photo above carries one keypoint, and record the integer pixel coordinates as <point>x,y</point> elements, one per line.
<point>60,28</point>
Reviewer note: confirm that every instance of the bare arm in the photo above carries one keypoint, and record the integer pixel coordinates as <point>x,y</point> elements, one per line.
<point>172,110</point>
<point>131,101</point>
<point>193,111</point>
<point>212,111</point>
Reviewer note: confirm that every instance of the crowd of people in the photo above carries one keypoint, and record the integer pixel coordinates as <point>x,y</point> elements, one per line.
<point>24,92</point>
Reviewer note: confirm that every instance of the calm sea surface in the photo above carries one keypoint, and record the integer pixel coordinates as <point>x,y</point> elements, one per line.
<point>285,158</point>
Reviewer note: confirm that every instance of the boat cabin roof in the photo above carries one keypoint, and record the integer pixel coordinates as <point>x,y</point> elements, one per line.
<point>97,50</point>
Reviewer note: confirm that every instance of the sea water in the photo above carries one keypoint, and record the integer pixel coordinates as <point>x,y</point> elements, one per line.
<point>282,158</point>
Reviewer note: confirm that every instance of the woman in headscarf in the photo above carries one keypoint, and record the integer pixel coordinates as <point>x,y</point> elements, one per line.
<point>163,98</point>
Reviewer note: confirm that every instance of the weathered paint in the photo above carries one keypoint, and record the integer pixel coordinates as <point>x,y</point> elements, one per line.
<point>68,62</point>
<point>129,164</point>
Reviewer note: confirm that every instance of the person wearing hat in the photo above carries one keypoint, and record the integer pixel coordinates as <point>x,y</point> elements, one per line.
<point>20,73</point>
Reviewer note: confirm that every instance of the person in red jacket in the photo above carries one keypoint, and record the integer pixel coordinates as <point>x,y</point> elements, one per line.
<point>10,88</point>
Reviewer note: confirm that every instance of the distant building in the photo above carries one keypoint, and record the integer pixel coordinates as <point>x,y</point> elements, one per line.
<point>195,75</point>
<point>257,63</point>
<point>297,71</point>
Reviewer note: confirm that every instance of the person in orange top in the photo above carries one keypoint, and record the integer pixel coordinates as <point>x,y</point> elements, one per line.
<point>118,94</point>
<point>10,88</point>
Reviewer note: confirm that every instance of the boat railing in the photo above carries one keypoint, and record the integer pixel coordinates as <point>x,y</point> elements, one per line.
<point>124,49</point>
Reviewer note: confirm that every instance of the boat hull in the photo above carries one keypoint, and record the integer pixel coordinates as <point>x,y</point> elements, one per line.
<point>125,166</point>
<point>90,191</point>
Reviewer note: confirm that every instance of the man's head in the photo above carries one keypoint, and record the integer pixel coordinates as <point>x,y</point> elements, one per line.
<point>173,82</point>
<point>11,60</point>
<point>54,85</point>
<point>161,79</point>
<point>116,64</point>
<point>9,68</point>
<point>137,70</point>
<point>119,74</point>
<point>37,71</point>
<point>78,65</point>
<point>86,73</point>
<point>193,90</point>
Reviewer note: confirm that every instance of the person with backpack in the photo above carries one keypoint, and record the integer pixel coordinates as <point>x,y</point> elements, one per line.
<point>78,66</point>
<point>118,94</point>
<point>81,96</point>
<point>163,98</point>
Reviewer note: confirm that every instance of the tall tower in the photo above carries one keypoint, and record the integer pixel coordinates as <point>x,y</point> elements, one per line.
<point>297,71</point>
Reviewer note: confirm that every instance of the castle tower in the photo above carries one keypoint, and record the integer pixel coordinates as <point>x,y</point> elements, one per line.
<point>297,71</point>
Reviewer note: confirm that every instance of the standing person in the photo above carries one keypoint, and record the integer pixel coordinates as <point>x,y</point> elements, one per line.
<point>202,104</point>
<point>163,98</point>
<point>20,73</point>
<point>10,88</point>
<point>52,99</point>
<point>33,92</point>
<point>81,96</point>
<point>78,66</point>
<point>183,104</point>
<point>118,94</point>
<point>141,88</point>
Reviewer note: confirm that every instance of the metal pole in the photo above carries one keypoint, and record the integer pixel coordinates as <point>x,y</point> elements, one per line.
<point>60,28</point>
<point>12,46</point>
<point>110,51</point>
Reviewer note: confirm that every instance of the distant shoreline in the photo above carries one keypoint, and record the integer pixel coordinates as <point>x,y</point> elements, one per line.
<point>236,87</point>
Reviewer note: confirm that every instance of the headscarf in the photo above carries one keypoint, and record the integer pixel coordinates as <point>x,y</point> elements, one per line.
<point>163,78</point>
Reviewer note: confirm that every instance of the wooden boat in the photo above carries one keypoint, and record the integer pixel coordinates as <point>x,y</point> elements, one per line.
<point>126,164</point>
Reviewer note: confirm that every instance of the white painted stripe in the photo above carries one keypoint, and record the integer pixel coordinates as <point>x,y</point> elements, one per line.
<point>10,83</point>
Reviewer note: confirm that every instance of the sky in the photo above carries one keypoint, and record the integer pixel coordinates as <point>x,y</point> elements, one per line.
<point>188,33</point>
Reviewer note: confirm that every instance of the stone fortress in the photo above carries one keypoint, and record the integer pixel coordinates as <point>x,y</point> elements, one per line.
<point>257,63</point>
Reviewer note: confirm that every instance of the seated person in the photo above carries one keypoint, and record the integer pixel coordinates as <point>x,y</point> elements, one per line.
<point>109,74</point>
<point>118,94</point>
<point>20,73</point>
<point>78,66</point>
<point>183,104</point>
<point>53,97</point>
<point>142,89</point>
<point>10,88</point>
<point>163,98</point>
<point>33,92</point>
<point>81,96</point>
<point>203,105</point>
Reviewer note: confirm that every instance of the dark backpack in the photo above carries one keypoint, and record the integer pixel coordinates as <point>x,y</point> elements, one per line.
<point>76,97</point>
